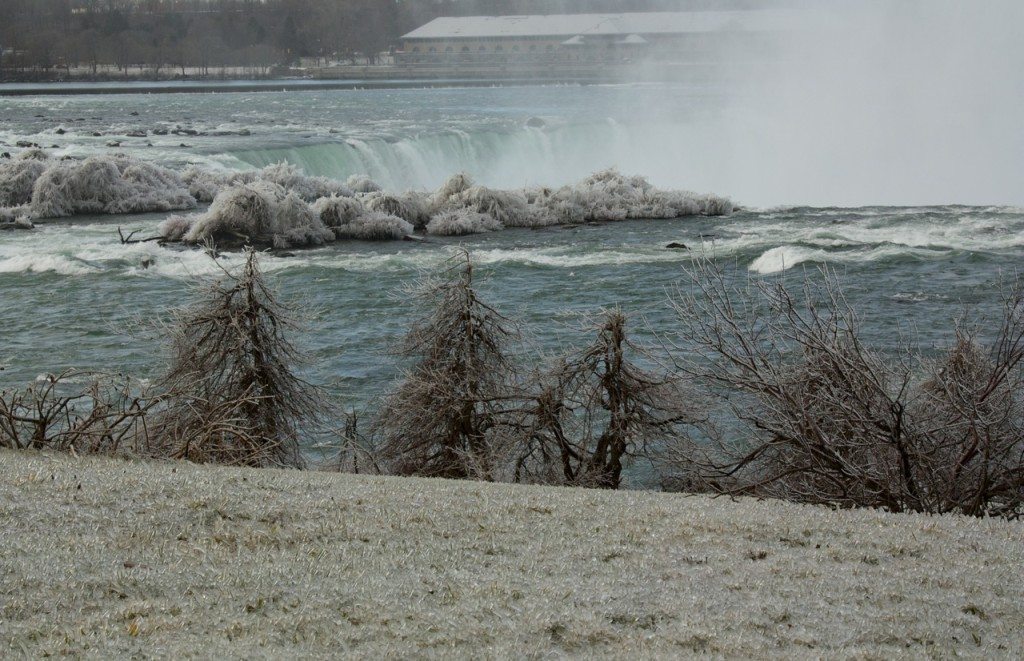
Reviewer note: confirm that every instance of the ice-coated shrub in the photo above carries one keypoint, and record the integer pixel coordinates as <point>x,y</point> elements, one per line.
<point>335,211</point>
<point>459,222</point>
<point>375,226</point>
<point>174,228</point>
<point>34,154</point>
<point>17,179</point>
<point>298,225</point>
<point>714,205</point>
<point>409,207</point>
<point>509,208</point>
<point>205,184</point>
<point>259,213</point>
<point>108,185</point>
<point>453,186</point>
<point>308,188</point>
<point>361,183</point>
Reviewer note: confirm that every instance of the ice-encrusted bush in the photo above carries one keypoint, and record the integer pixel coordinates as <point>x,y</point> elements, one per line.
<point>204,184</point>
<point>259,213</point>
<point>361,183</point>
<point>108,185</point>
<point>452,187</point>
<point>459,222</point>
<point>410,207</point>
<point>335,211</point>
<point>715,205</point>
<point>609,196</point>
<point>509,208</point>
<point>309,188</point>
<point>375,226</point>
<point>17,178</point>
<point>174,228</point>
<point>34,154</point>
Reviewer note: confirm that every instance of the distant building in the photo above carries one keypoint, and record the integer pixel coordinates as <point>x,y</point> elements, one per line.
<point>586,38</point>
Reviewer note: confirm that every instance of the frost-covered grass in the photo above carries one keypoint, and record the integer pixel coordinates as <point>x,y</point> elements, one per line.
<point>108,558</point>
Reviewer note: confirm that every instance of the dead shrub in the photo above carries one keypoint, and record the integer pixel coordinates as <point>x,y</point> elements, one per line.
<point>811,414</point>
<point>446,416</point>
<point>597,410</point>
<point>230,394</point>
<point>85,413</point>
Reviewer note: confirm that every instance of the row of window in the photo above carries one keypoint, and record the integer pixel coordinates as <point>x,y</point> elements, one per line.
<point>483,49</point>
<point>569,57</point>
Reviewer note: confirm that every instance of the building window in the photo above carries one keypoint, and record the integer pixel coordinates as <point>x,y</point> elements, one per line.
<point>498,49</point>
<point>449,49</point>
<point>432,50</point>
<point>465,49</point>
<point>416,49</point>
<point>483,49</point>
<point>533,47</point>
<point>515,49</point>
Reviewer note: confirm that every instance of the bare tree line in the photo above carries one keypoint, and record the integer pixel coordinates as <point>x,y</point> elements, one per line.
<point>760,389</point>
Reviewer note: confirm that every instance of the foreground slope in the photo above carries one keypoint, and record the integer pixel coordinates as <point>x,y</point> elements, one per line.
<point>109,557</point>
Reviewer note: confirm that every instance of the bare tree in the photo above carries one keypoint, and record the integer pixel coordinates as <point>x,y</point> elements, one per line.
<point>445,418</point>
<point>811,414</point>
<point>231,395</point>
<point>597,410</point>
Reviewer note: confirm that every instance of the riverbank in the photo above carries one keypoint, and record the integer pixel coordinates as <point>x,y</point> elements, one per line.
<point>105,557</point>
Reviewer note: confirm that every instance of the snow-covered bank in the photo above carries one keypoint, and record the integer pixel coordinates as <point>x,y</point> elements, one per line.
<point>104,557</point>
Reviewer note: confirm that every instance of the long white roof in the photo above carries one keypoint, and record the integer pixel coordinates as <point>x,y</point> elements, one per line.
<point>563,25</point>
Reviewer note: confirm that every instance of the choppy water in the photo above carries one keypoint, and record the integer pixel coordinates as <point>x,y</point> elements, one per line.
<point>69,289</point>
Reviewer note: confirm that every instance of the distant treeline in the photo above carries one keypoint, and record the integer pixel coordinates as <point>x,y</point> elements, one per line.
<point>193,37</point>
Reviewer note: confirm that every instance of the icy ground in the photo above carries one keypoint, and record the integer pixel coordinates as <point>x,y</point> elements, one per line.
<point>104,557</point>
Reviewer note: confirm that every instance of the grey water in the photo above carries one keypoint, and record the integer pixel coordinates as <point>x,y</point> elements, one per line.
<point>910,263</point>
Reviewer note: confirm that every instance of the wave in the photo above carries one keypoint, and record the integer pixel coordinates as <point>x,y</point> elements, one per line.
<point>783,258</point>
<point>42,263</point>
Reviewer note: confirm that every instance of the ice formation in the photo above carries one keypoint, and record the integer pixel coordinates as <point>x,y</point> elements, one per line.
<point>335,211</point>
<point>360,183</point>
<point>264,205</point>
<point>375,226</point>
<point>260,213</point>
<point>18,177</point>
<point>279,205</point>
<point>308,188</point>
<point>411,207</point>
<point>36,186</point>
<point>205,184</point>
<point>460,222</point>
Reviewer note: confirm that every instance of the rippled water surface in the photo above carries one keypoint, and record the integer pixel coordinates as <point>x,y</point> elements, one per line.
<point>70,289</point>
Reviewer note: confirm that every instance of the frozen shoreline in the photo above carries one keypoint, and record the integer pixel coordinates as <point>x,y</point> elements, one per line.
<point>107,557</point>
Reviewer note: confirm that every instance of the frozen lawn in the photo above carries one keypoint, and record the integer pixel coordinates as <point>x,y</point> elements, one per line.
<point>103,557</point>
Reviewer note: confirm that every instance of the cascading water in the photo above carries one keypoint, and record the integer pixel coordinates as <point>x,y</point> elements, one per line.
<point>506,159</point>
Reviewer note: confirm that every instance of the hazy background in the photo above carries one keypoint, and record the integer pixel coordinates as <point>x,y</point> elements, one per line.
<point>860,102</point>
